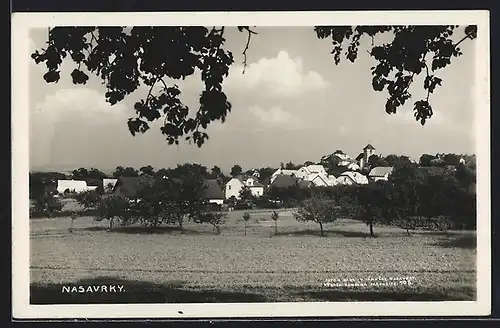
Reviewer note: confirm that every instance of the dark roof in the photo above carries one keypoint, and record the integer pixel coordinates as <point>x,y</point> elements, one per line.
<point>213,190</point>
<point>369,146</point>
<point>283,181</point>
<point>129,185</point>
<point>338,152</point>
<point>360,156</point>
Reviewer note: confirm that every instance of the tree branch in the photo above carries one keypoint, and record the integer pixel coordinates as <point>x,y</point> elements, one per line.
<point>250,32</point>
<point>467,36</point>
<point>428,75</point>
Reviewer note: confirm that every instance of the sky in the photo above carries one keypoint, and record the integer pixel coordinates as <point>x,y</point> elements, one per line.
<point>291,104</point>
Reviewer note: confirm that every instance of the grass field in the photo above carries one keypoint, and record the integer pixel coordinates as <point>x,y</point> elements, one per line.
<point>200,266</point>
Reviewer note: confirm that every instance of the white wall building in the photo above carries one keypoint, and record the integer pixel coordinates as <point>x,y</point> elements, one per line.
<point>235,185</point>
<point>350,177</point>
<point>73,186</point>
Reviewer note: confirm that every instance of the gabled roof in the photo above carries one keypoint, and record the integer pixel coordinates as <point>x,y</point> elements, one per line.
<point>283,181</point>
<point>130,185</point>
<point>355,177</point>
<point>213,190</point>
<point>106,182</point>
<point>369,146</point>
<point>360,156</point>
<point>380,171</point>
<point>316,176</point>
<point>244,178</point>
<point>240,177</point>
<point>285,172</point>
<point>256,184</point>
<point>315,168</point>
<point>338,152</point>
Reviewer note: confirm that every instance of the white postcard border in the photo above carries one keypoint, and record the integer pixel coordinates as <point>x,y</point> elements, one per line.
<point>22,22</point>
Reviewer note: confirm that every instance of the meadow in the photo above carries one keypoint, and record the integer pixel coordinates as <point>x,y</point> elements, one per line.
<point>201,266</point>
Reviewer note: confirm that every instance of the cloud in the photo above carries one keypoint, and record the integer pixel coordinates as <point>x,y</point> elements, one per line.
<point>279,76</point>
<point>276,116</point>
<point>82,104</point>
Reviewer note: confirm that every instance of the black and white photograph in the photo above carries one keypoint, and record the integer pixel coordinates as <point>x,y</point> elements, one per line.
<point>184,165</point>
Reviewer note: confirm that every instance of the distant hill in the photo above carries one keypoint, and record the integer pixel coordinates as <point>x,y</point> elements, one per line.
<point>65,169</point>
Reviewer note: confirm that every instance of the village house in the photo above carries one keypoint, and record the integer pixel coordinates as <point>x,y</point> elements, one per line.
<point>235,185</point>
<point>350,178</point>
<point>352,166</point>
<point>312,173</point>
<point>319,180</point>
<point>284,181</point>
<point>379,173</point>
<point>76,186</point>
<point>108,184</point>
<point>294,173</point>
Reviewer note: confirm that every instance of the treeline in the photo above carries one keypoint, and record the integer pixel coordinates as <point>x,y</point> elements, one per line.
<point>168,199</point>
<point>412,198</point>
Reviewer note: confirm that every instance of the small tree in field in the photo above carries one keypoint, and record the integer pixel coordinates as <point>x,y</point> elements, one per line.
<point>112,207</point>
<point>89,200</point>
<point>319,209</point>
<point>372,202</point>
<point>246,218</point>
<point>215,218</point>
<point>274,216</point>
<point>73,217</point>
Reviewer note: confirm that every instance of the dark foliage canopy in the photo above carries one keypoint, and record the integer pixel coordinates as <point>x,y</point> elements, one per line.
<point>125,58</point>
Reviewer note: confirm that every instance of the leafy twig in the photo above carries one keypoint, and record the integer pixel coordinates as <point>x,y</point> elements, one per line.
<point>467,36</point>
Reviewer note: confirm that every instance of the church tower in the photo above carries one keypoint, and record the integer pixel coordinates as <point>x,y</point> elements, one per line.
<point>368,151</point>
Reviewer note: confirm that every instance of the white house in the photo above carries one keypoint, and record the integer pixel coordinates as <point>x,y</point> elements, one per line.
<point>352,166</point>
<point>236,184</point>
<point>255,186</point>
<point>380,173</point>
<point>332,180</point>
<point>316,169</point>
<point>73,186</point>
<point>301,173</point>
<point>109,184</point>
<point>319,180</point>
<point>295,173</point>
<point>349,178</point>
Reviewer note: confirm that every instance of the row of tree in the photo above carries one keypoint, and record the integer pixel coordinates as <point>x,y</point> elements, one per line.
<point>411,198</point>
<point>172,198</point>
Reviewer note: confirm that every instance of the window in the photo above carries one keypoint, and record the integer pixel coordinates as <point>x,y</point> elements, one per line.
<point>229,187</point>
